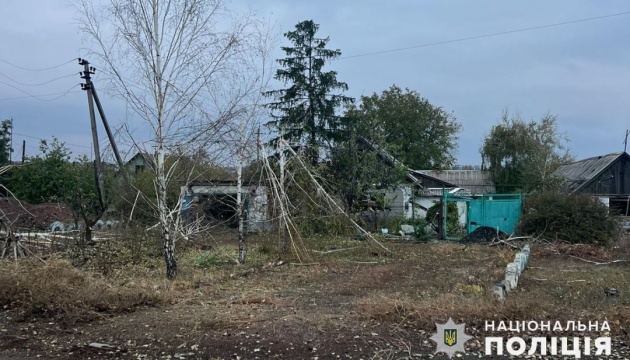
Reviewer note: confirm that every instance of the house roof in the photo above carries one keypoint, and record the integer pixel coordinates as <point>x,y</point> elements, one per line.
<point>412,176</point>
<point>579,173</point>
<point>423,175</point>
<point>480,182</point>
<point>145,156</point>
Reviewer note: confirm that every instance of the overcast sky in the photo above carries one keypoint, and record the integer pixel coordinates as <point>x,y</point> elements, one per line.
<point>578,71</point>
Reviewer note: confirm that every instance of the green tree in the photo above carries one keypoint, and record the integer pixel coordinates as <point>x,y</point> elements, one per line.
<point>47,177</point>
<point>415,132</point>
<point>357,167</point>
<point>305,112</point>
<point>51,176</point>
<point>522,156</point>
<point>6,128</point>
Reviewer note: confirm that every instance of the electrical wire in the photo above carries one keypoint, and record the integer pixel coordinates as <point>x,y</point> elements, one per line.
<point>42,69</point>
<point>39,84</point>
<point>485,35</point>
<point>37,97</point>
<point>40,95</point>
<point>37,138</point>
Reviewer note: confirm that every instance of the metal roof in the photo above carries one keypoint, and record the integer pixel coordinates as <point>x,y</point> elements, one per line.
<point>479,182</point>
<point>578,174</point>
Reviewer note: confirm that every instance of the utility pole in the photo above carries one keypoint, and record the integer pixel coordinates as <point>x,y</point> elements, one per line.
<point>101,112</point>
<point>625,141</point>
<point>258,145</point>
<point>85,74</point>
<point>11,147</point>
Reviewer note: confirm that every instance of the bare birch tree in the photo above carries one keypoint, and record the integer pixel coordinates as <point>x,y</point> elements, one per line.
<point>172,61</point>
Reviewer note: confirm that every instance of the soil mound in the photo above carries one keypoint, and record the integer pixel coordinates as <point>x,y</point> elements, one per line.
<point>21,215</point>
<point>484,234</point>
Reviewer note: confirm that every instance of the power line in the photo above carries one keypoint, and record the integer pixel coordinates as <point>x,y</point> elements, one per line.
<point>485,35</point>
<point>37,97</point>
<point>41,69</point>
<point>62,94</point>
<point>39,84</point>
<point>37,138</point>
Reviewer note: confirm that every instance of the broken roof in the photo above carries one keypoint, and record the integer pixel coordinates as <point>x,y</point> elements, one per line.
<point>479,182</point>
<point>579,173</point>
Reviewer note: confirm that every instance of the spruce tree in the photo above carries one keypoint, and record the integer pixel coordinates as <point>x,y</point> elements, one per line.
<point>304,113</point>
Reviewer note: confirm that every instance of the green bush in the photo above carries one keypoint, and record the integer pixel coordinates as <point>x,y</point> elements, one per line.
<point>452,219</point>
<point>420,232</point>
<point>568,218</point>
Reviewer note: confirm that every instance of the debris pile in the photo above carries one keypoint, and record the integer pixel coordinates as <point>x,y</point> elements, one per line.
<point>21,215</point>
<point>484,234</point>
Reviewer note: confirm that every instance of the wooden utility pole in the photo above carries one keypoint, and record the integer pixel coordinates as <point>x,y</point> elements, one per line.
<point>85,74</point>
<point>101,112</point>
<point>11,146</point>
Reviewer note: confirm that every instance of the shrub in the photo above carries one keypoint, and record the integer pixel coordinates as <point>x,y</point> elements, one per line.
<point>452,218</point>
<point>570,218</point>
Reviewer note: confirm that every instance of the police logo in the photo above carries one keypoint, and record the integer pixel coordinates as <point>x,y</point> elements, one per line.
<point>450,338</point>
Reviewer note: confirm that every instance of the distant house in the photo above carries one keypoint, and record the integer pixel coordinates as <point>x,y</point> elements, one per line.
<point>412,198</point>
<point>217,200</point>
<point>606,176</point>
<point>139,162</point>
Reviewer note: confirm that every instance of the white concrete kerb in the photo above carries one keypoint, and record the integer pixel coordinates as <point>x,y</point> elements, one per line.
<point>512,272</point>
<point>511,275</point>
<point>500,290</point>
<point>521,259</point>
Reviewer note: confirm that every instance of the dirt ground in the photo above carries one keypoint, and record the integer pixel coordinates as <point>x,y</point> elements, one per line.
<point>23,216</point>
<point>348,301</point>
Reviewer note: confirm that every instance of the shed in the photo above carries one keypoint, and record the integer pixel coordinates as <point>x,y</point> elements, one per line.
<point>603,176</point>
<point>218,199</point>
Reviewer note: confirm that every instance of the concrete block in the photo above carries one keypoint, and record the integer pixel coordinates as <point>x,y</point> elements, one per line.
<point>511,275</point>
<point>521,259</point>
<point>500,290</point>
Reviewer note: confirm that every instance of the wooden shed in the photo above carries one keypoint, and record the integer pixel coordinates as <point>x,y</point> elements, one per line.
<point>606,176</point>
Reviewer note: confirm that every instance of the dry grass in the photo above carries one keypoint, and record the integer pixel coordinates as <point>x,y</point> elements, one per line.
<point>57,290</point>
<point>416,284</point>
<point>454,281</point>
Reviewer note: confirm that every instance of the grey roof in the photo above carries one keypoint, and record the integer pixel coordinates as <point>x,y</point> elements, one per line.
<point>579,173</point>
<point>478,182</point>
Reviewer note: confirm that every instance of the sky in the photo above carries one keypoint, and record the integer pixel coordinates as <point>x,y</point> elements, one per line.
<point>578,71</point>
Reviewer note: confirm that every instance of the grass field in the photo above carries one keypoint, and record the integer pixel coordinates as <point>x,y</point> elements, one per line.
<point>347,300</point>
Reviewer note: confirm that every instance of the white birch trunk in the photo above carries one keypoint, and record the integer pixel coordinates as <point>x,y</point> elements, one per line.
<point>284,246</point>
<point>242,245</point>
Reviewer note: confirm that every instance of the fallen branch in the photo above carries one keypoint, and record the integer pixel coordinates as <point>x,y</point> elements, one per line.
<point>498,241</point>
<point>597,262</point>
<point>494,243</point>
<point>335,250</point>
<point>333,202</point>
<point>304,264</point>
<point>362,262</point>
